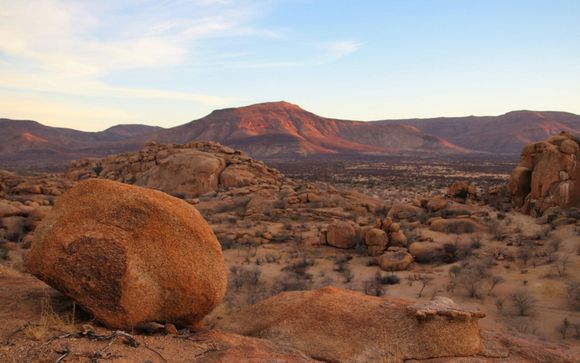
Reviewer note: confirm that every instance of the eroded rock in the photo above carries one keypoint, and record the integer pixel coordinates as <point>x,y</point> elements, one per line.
<point>548,175</point>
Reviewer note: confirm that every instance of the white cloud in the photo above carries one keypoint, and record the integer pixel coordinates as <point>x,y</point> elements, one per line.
<point>63,47</point>
<point>344,47</point>
<point>322,54</point>
<point>73,49</point>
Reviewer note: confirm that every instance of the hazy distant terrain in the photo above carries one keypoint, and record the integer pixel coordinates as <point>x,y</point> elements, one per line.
<point>496,134</point>
<point>284,131</point>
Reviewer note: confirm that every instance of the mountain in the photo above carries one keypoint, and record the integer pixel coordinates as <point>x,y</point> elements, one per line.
<point>506,134</point>
<point>123,132</point>
<point>31,144</point>
<point>283,130</point>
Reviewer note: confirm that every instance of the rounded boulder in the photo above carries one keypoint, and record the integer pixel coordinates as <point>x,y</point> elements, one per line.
<point>130,255</point>
<point>341,234</point>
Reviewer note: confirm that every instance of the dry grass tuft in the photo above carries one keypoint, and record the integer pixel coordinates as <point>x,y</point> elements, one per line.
<point>51,320</point>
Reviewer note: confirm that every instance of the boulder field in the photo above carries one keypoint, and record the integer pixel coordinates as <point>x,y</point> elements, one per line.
<point>385,238</point>
<point>129,255</point>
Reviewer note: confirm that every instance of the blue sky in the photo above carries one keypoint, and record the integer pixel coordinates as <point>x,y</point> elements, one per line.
<point>93,64</point>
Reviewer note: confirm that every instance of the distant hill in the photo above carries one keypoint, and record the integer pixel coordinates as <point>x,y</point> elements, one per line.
<point>26,144</point>
<point>505,134</point>
<point>281,130</point>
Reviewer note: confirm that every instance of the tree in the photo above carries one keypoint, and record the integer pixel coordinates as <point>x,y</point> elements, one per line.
<point>563,328</point>
<point>495,280</point>
<point>499,302</point>
<point>425,280</point>
<point>525,253</point>
<point>562,265</point>
<point>470,279</point>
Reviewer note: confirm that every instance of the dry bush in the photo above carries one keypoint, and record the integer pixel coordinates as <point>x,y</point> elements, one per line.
<point>471,280</point>
<point>373,286</point>
<point>361,248</point>
<point>227,243</point>
<point>372,261</point>
<point>525,253</point>
<point>341,266</point>
<point>471,275</point>
<point>459,228</point>
<point>423,279</point>
<point>389,279</point>
<point>496,229</point>
<point>282,237</point>
<point>523,325</point>
<point>564,327</point>
<point>241,277</point>
<point>524,303</point>
<point>3,253</point>
<point>295,277</point>
<point>494,281</point>
<point>244,287</point>
<point>476,240</point>
<point>573,292</point>
<point>499,304</point>
<point>577,330</point>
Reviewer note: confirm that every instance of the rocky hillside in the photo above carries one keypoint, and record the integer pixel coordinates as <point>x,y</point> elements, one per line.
<point>506,134</point>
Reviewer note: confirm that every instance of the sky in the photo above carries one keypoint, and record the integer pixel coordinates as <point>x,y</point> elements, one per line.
<point>93,64</point>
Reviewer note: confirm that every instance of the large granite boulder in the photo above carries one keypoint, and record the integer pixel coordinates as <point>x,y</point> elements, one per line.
<point>130,255</point>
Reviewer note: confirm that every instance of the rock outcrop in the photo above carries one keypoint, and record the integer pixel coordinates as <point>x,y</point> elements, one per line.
<point>187,171</point>
<point>130,255</point>
<point>548,175</point>
<point>345,326</point>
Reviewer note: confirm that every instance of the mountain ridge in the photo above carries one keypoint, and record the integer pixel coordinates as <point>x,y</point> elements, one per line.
<point>283,130</point>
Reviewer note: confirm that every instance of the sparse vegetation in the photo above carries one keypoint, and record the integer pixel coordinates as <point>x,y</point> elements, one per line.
<point>374,286</point>
<point>573,294</point>
<point>564,327</point>
<point>50,321</point>
<point>341,265</point>
<point>524,303</point>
